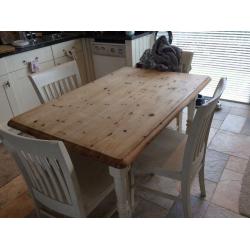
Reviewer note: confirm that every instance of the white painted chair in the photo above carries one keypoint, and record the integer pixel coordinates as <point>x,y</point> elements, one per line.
<point>56,187</point>
<point>55,82</point>
<point>180,156</point>
<point>184,67</point>
<point>186,61</point>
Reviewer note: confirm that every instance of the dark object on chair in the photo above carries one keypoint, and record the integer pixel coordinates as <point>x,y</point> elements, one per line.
<point>162,57</point>
<point>200,100</point>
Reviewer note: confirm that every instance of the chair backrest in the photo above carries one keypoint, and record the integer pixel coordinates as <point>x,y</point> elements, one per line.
<point>198,135</point>
<point>55,82</point>
<point>186,61</point>
<point>48,172</point>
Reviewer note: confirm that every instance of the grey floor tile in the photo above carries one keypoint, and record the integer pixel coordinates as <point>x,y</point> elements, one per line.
<point>231,143</point>
<point>162,184</point>
<point>216,123</point>
<point>233,123</point>
<point>214,211</point>
<point>214,165</point>
<point>220,115</point>
<point>237,164</point>
<point>147,209</point>
<point>160,201</point>
<point>227,192</point>
<point>246,128</point>
<point>199,208</point>
<point>212,133</point>
<point>209,185</point>
<point>235,105</point>
<point>105,207</point>
<point>240,112</point>
<point>225,108</point>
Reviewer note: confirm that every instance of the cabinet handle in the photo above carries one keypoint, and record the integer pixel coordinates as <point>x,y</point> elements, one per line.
<point>6,84</point>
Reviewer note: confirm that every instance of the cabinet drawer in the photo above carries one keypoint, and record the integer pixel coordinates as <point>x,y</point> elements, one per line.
<point>25,71</point>
<point>20,61</point>
<point>63,59</point>
<point>59,49</point>
<point>3,69</point>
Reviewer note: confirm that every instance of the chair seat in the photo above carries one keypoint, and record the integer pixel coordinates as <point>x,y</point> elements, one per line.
<point>163,155</point>
<point>94,180</point>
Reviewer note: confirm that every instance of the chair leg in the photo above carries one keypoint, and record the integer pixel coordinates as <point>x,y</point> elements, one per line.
<point>190,118</point>
<point>186,200</point>
<point>202,182</point>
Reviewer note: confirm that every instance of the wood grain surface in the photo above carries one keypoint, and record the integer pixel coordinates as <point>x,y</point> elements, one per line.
<point>6,48</point>
<point>113,118</point>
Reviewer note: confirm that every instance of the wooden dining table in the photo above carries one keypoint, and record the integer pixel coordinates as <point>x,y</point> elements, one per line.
<point>113,118</point>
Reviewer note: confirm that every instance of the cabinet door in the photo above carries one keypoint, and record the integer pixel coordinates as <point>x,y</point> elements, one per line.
<point>5,109</point>
<point>59,50</point>
<point>24,91</point>
<point>3,69</point>
<point>80,63</point>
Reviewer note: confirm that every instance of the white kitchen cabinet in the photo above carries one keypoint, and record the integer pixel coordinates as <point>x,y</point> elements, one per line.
<point>18,70</point>
<point>21,93</point>
<point>60,49</point>
<point>24,92</point>
<point>20,61</point>
<point>5,106</point>
<point>3,69</point>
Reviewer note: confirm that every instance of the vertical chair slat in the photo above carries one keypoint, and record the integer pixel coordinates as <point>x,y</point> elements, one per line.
<point>56,81</point>
<point>27,169</point>
<point>34,172</point>
<point>73,83</point>
<point>45,94</point>
<point>44,174</point>
<point>66,83</point>
<point>53,179</point>
<point>49,174</point>
<point>61,179</point>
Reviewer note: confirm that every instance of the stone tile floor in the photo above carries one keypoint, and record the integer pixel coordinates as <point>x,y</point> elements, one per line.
<point>227,156</point>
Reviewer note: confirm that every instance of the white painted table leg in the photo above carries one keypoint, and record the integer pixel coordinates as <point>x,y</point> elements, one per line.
<point>132,190</point>
<point>179,123</point>
<point>191,110</point>
<point>122,190</point>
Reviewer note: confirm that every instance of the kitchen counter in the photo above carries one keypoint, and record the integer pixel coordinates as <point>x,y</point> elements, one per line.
<point>116,37</point>
<point>108,36</point>
<point>43,42</point>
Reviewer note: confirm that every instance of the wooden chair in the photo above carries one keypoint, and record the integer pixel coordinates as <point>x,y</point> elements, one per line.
<point>55,82</point>
<point>56,188</point>
<point>180,156</point>
<point>184,67</point>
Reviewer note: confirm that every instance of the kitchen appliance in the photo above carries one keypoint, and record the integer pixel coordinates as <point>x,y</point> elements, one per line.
<point>108,57</point>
